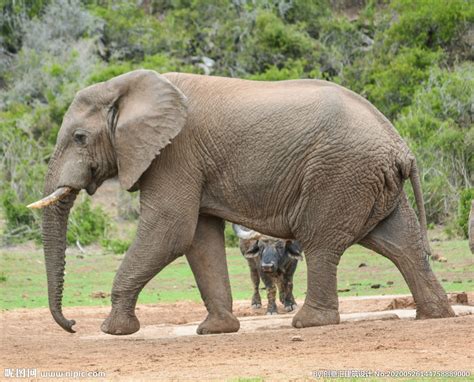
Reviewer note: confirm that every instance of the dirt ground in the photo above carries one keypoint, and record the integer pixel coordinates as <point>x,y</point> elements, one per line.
<point>266,347</point>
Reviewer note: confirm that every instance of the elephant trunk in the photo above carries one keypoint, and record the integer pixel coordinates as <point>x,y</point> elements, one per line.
<point>55,220</point>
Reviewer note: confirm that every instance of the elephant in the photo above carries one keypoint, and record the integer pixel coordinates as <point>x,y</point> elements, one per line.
<point>304,160</point>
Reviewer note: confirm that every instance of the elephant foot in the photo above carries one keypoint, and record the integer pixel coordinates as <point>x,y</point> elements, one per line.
<point>271,312</point>
<point>256,306</point>
<point>434,310</point>
<point>308,316</point>
<point>223,323</point>
<point>120,323</point>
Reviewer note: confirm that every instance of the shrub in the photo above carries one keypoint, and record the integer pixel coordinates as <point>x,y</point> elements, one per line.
<point>231,239</point>
<point>464,209</point>
<point>128,33</point>
<point>87,224</point>
<point>22,170</point>
<point>273,43</point>
<point>392,85</point>
<point>431,24</point>
<point>116,246</point>
<point>438,128</point>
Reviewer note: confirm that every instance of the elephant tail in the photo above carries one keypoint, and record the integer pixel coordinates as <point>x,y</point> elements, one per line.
<point>416,185</point>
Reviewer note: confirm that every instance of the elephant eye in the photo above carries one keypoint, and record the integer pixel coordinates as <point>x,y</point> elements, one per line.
<point>80,137</point>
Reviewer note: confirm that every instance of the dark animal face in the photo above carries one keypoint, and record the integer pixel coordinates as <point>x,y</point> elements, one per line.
<point>274,253</point>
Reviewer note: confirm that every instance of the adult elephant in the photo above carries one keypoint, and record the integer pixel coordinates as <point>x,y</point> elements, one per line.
<point>305,160</point>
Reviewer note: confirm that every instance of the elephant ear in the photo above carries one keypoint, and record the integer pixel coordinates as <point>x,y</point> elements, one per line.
<point>145,114</point>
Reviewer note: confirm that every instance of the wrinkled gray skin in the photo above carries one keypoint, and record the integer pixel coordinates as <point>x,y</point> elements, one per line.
<point>273,261</point>
<point>305,160</point>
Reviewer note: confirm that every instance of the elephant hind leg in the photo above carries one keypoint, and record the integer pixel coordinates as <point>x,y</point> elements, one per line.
<point>321,302</point>
<point>398,238</point>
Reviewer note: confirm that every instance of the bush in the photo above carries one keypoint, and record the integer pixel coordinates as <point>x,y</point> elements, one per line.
<point>116,246</point>
<point>438,128</point>
<point>87,224</point>
<point>431,24</point>
<point>392,85</point>
<point>22,170</point>
<point>128,33</point>
<point>231,239</point>
<point>273,43</point>
<point>464,209</point>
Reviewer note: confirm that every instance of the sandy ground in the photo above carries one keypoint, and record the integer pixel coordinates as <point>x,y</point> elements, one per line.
<point>166,347</point>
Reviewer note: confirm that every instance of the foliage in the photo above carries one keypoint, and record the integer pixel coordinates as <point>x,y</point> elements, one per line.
<point>231,239</point>
<point>391,85</point>
<point>438,126</point>
<point>465,201</point>
<point>431,24</point>
<point>116,246</point>
<point>87,224</point>
<point>411,59</point>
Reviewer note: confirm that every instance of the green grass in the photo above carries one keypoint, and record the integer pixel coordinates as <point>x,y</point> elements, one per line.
<point>23,279</point>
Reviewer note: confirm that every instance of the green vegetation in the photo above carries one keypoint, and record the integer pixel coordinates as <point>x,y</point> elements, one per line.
<point>412,59</point>
<point>89,276</point>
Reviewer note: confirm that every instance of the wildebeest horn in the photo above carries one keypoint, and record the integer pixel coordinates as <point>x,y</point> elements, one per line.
<point>245,233</point>
<point>60,193</point>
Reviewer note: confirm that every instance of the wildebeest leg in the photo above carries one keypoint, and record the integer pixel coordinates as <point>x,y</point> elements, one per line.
<point>256,299</point>
<point>290,303</point>
<point>398,238</point>
<point>208,262</point>
<point>271,293</point>
<point>281,288</point>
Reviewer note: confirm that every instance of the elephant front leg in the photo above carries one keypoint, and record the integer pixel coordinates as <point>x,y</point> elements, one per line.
<point>163,234</point>
<point>321,303</point>
<point>141,264</point>
<point>207,259</point>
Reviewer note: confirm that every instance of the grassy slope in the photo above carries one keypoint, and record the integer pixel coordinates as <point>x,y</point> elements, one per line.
<point>23,280</point>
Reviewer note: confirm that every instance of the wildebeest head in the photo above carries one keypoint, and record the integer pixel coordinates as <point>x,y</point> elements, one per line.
<point>273,253</point>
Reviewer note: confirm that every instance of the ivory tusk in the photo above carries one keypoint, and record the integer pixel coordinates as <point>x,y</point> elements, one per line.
<point>57,195</point>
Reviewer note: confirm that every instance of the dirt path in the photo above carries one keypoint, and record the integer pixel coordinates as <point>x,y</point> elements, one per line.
<point>30,339</point>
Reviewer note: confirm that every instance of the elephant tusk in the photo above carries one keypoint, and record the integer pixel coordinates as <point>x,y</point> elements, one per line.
<point>53,198</point>
<point>246,234</point>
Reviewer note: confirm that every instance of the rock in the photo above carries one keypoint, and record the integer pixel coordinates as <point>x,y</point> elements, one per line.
<point>362,265</point>
<point>375,286</point>
<point>457,281</point>
<point>344,290</point>
<point>444,280</point>
<point>458,298</point>
<point>297,338</point>
<point>99,294</point>
<point>401,303</point>
<point>390,282</point>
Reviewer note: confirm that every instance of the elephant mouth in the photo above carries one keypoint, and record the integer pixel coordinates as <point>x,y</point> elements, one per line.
<point>92,188</point>
<point>52,199</point>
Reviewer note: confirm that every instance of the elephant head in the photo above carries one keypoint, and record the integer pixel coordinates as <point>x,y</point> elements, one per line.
<point>112,128</point>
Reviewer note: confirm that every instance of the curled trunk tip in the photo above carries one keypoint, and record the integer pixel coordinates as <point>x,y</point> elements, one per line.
<point>63,321</point>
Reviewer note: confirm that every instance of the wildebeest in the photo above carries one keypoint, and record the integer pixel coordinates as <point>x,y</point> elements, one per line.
<point>273,261</point>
